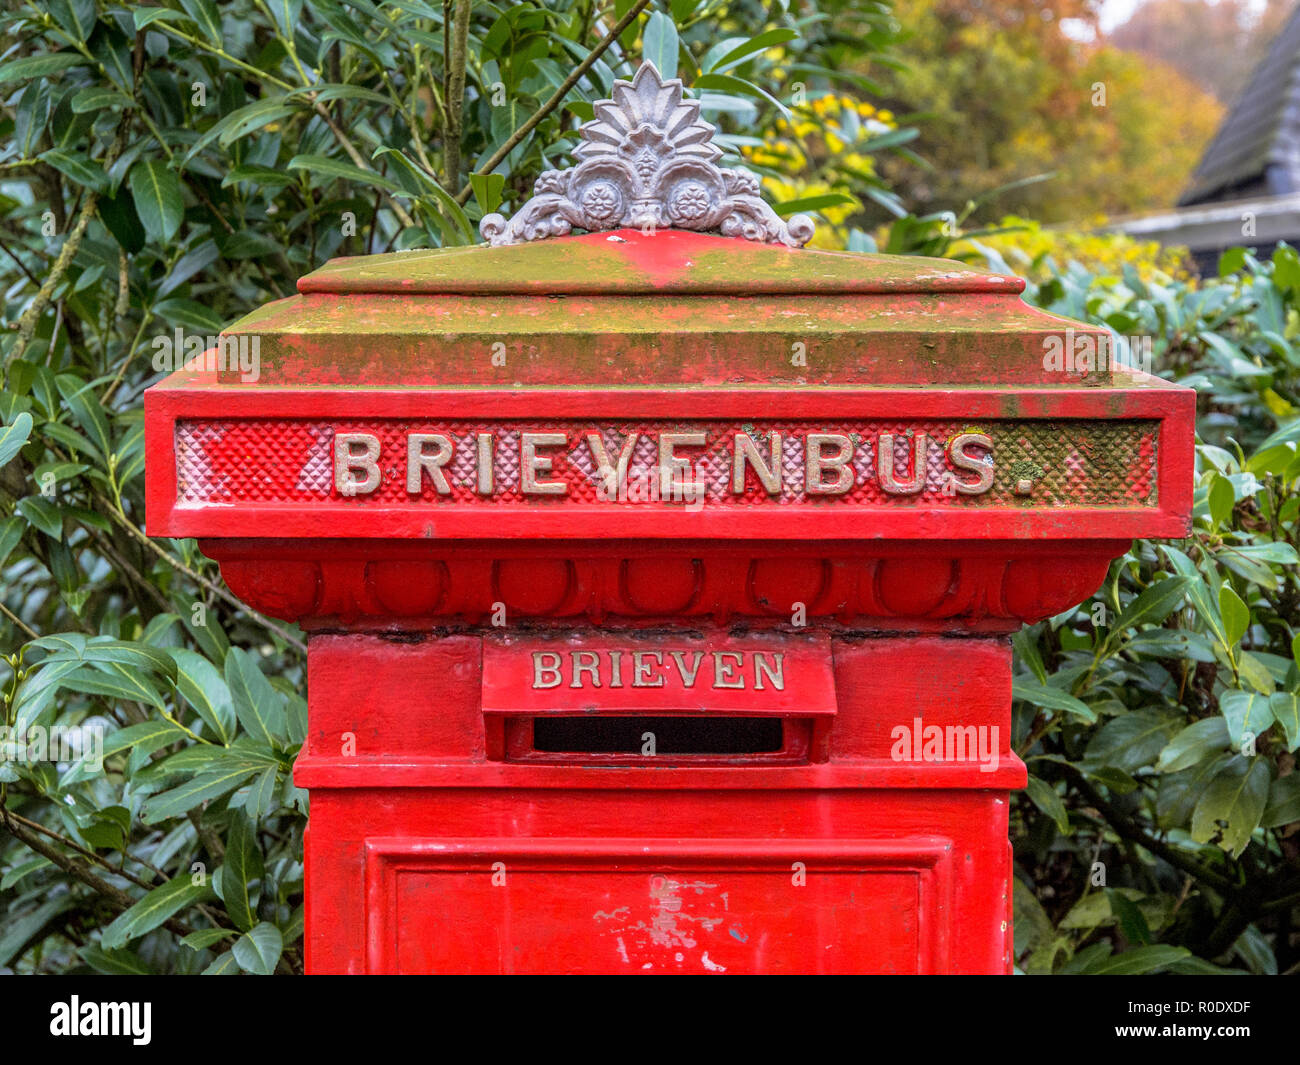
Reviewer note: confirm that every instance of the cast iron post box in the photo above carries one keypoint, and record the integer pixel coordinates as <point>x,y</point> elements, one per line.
<point>659,580</point>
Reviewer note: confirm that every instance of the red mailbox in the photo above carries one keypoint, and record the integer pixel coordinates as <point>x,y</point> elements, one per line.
<point>658,583</point>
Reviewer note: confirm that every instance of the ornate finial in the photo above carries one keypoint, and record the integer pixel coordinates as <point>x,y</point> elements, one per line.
<point>647,161</point>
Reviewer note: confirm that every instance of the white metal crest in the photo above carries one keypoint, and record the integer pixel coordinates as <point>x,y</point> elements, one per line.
<point>648,161</point>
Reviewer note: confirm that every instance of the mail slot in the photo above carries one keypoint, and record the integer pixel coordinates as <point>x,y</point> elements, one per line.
<point>659,572</point>
<point>654,700</point>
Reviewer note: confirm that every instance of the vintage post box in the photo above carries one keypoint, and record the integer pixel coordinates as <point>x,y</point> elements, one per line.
<point>658,578</point>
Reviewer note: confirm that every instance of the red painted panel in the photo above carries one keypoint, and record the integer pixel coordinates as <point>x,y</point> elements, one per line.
<point>645,905</point>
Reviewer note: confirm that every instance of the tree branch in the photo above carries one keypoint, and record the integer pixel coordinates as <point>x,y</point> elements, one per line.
<point>557,97</point>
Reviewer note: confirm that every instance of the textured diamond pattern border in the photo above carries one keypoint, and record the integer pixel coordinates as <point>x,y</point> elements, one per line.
<point>1072,463</point>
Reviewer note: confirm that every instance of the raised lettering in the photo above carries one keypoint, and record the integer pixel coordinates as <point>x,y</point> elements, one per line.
<point>889,481</point>
<point>531,464</point>
<point>486,448</point>
<point>642,667</point>
<point>775,670</point>
<point>768,473</point>
<point>816,464</point>
<point>585,662</point>
<point>612,474</point>
<point>419,462</point>
<point>688,677</point>
<point>963,460</point>
<point>672,470</point>
<point>347,462</point>
<point>551,671</point>
<point>723,677</point>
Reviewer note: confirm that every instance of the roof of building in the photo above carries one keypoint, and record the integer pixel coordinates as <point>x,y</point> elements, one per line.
<point>1257,149</point>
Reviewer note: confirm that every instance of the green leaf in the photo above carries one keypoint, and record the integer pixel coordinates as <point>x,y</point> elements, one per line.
<point>242,866</point>
<point>1235,613</point>
<point>240,123</point>
<point>1283,803</point>
<point>336,168</point>
<point>75,17</point>
<point>1044,796</point>
<point>205,15</point>
<point>1132,922</point>
<point>152,910</point>
<point>114,681</point>
<point>88,411</point>
<point>765,40</point>
<point>260,175</point>
<point>1222,499</point>
<point>260,799</point>
<point>259,949</point>
<point>728,83</point>
<point>11,531</point>
<point>1050,698</point>
<point>115,962</point>
<point>1178,793</point>
<point>225,965</point>
<point>1135,962</point>
<point>19,928</point>
<point>1285,708</point>
<point>206,937</point>
<point>1194,743</point>
<point>145,16</point>
<point>156,192</point>
<point>1131,740</point>
<point>78,166</point>
<point>19,872</point>
<point>1154,604</point>
<point>659,44</point>
<point>1255,673</point>
<point>43,515</point>
<point>246,244</point>
<point>487,190</point>
<point>181,800</point>
<point>148,736</point>
<point>1231,260</point>
<point>39,66</point>
<point>1230,809</point>
<point>1091,910</point>
<point>14,436</point>
<point>1253,948</point>
<point>418,182</point>
<point>1245,713</point>
<point>202,686</point>
<point>257,705</point>
<point>1199,594</point>
<point>813,203</point>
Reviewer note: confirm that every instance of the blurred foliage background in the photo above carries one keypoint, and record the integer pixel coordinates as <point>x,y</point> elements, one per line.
<point>176,165</point>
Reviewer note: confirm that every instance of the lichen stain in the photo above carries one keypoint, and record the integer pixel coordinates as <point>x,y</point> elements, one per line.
<point>668,924</point>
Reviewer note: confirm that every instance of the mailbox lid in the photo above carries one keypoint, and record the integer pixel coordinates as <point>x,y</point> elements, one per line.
<point>664,309</point>
<point>631,262</point>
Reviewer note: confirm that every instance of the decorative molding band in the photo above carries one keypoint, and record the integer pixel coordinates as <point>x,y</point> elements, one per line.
<point>322,588</point>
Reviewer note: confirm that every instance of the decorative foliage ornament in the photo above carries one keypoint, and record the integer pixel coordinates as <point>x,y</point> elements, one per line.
<point>647,162</point>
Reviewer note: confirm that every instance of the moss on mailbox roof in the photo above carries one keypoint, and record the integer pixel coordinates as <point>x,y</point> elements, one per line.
<point>629,262</point>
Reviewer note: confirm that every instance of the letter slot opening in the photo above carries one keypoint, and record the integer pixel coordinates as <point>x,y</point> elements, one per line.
<point>658,700</point>
<point>648,740</point>
<point>669,735</point>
